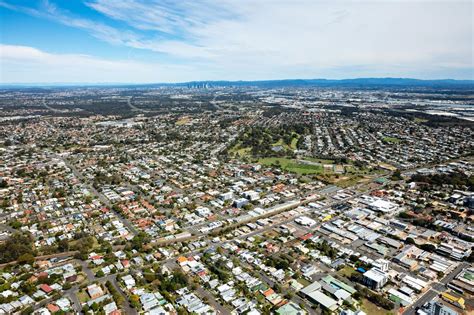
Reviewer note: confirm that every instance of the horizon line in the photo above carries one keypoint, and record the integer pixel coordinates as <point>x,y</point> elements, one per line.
<point>52,84</point>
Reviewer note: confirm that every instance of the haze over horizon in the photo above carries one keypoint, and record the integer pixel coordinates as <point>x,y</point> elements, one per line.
<point>133,41</point>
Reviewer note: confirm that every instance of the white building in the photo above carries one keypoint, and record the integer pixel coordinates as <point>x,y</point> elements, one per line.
<point>375,278</point>
<point>305,221</point>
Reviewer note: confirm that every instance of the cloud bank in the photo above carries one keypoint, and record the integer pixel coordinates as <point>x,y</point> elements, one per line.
<point>271,39</point>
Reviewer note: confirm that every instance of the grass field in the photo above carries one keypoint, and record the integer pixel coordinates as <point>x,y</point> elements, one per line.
<point>322,161</point>
<point>391,140</point>
<point>292,166</point>
<point>183,121</point>
<point>94,246</point>
<point>241,152</point>
<point>294,141</point>
<point>420,120</point>
<point>342,180</point>
<point>387,166</point>
<point>292,145</point>
<point>280,143</point>
<point>347,181</point>
<point>372,309</point>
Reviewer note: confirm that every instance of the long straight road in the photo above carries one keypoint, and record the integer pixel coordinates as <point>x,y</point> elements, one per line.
<point>125,305</point>
<point>450,276</point>
<point>436,289</point>
<point>209,299</point>
<point>75,300</point>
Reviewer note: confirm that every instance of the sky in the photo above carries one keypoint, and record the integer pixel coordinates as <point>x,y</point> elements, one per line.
<point>146,41</point>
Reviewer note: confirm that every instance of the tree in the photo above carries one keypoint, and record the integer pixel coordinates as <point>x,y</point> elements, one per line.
<point>277,288</point>
<point>135,301</point>
<point>88,199</point>
<point>5,203</point>
<point>470,259</point>
<point>81,255</point>
<point>139,240</point>
<point>28,287</point>
<point>428,247</point>
<point>357,277</point>
<point>95,307</point>
<point>150,277</point>
<point>28,310</point>
<point>410,240</point>
<point>357,295</point>
<point>15,246</point>
<point>26,258</point>
<point>115,294</point>
<point>63,245</point>
<point>16,224</point>
<point>397,175</point>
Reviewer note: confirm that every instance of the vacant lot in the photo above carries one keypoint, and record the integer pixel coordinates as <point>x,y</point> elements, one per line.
<point>372,309</point>
<point>347,271</point>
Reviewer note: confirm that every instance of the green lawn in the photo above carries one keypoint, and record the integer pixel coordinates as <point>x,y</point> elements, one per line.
<point>94,246</point>
<point>304,281</point>
<point>347,271</point>
<point>291,165</point>
<point>292,145</point>
<point>83,296</point>
<point>391,140</point>
<point>294,141</point>
<point>237,149</point>
<point>243,151</point>
<point>280,143</point>
<point>420,120</point>
<point>322,161</point>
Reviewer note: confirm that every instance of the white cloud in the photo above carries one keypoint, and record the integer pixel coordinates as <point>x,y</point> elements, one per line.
<point>22,64</point>
<point>172,17</point>
<point>245,39</point>
<point>400,38</point>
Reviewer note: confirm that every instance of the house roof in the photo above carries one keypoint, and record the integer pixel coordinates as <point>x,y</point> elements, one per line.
<point>46,288</point>
<point>52,308</point>
<point>323,299</point>
<point>181,259</point>
<point>268,292</point>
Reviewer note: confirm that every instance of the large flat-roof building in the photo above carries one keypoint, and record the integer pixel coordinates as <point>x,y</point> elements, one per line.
<point>384,206</point>
<point>375,278</point>
<point>436,308</point>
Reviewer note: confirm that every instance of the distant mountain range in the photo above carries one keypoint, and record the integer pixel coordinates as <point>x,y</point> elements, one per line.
<point>360,82</point>
<point>347,83</point>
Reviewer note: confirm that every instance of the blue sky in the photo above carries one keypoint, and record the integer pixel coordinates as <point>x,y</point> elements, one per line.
<point>138,41</point>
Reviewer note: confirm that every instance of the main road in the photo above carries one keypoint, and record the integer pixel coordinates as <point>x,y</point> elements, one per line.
<point>435,290</point>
